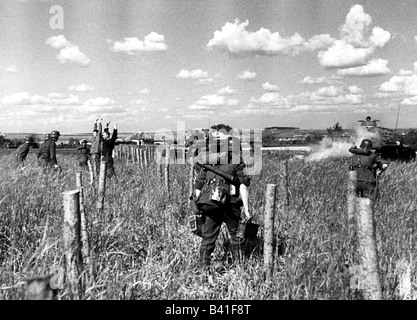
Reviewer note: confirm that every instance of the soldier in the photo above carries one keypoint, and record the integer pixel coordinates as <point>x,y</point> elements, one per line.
<point>47,152</point>
<point>96,145</point>
<point>107,147</point>
<point>83,154</point>
<point>366,163</point>
<point>22,151</point>
<point>235,195</point>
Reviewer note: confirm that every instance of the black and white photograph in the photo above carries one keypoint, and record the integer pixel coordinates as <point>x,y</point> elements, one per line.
<point>209,158</point>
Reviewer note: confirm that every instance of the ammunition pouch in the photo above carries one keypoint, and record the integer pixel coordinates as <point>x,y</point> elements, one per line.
<point>214,196</point>
<point>196,222</point>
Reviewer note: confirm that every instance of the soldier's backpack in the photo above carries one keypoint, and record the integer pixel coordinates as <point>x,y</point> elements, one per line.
<point>215,194</point>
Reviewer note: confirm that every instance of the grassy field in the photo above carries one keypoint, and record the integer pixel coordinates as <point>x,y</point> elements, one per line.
<point>143,248</point>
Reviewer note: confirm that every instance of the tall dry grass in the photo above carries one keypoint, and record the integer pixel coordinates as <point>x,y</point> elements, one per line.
<point>143,249</point>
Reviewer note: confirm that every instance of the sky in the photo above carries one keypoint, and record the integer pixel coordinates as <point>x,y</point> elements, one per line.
<point>160,64</point>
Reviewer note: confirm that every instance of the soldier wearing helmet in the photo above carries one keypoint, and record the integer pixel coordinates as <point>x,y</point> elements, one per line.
<point>47,151</point>
<point>23,150</point>
<point>83,155</point>
<point>236,196</point>
<point>366,163</point>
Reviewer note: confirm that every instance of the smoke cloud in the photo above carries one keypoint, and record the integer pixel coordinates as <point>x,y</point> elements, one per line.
<point>328,148</point>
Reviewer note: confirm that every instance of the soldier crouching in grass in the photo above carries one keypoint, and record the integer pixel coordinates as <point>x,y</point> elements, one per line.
<point>22,152</point>
<point>220,200</point>
<point>367,164</point>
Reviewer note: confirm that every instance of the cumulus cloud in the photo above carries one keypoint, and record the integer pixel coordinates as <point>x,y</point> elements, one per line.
<point>205,81</point>
<point>271,98</point>
<point>344,55</point>
<point>270,87</point>
<point>326,92</point>
<point>235,39</point>
<point>11,69</point>
<point>81,88</point>
<point>58,42</point>
<point>406,85</point>
<point>213,101</point>
<point>99,101</point>
<point>311,80</point>
<point>355,89</point>
<point>138,102</point>
<point>226,91</point>
<point>130,45</point>
<point>357,43</point>
<point>411,101</point>
<point>193,74</point>
<point>68,52</point>
<point>375,67</point>
<point>25,98</point>
<point>247,75</point>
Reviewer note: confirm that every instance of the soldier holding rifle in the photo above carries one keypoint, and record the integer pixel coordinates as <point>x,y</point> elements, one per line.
<point>367,164</point>
<point>221,190</point>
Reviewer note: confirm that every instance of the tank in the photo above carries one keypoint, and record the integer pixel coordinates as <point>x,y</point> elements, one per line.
<point>387,144</point>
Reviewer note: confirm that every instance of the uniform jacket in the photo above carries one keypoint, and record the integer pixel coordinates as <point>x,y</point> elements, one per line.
<point>108,145</point>
<point>83,153</point>
<point>204,179</point>
<point>96,142</point>
<point>48,151</point>
<point>23,150</point>
<point>365,165</point>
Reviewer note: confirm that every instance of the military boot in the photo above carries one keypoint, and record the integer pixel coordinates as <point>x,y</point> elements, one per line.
<point>204,258</point>
<point>238,251</point>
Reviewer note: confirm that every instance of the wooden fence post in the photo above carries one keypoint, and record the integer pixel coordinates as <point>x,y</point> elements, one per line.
<point>145,158</point>
<point>191,178</point>
<point>72,245</point>
<point>167,157</point>
<point>368,253</point>
<point>84,233</point>
<point>270,198</point>
<point>94,164</point>
<point>90,170</point>
<point>102,185</point>
<point>137,151</point>
<point>283,195</point>
<point>351,195</point>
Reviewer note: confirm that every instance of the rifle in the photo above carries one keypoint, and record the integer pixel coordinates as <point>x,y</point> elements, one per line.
<point>230,178</point>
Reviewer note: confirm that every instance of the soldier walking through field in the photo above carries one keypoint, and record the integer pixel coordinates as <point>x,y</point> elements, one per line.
<point>221,201</point>
<point>22,151</point>
<point>366,163</point>
<point>47,152</point>
<point>107,147</point>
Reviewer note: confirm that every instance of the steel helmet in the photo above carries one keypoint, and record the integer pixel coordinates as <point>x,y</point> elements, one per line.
<point>55,134</point>
<point>366,144</point>
<point>29,139</point>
